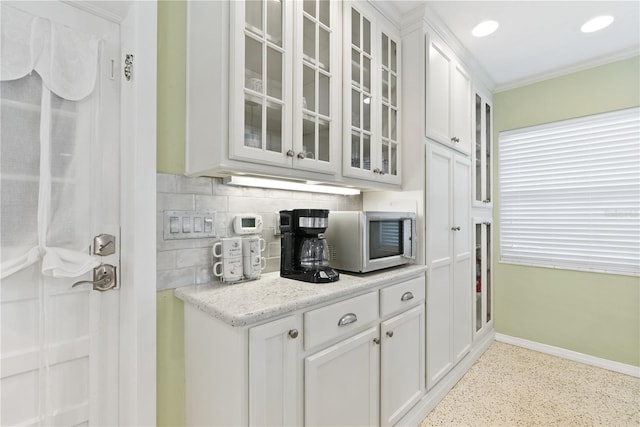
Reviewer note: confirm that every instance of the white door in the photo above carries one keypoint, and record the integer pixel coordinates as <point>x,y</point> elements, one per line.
<point>60,187</point>
<point>341,383</point>
<point>273,373</point>
<point>402,360</point>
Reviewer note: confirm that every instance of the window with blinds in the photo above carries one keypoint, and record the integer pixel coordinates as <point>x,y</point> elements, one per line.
<point>570,194</point>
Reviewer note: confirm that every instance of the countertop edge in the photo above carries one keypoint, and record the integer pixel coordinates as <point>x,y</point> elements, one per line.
<point>200,296</point>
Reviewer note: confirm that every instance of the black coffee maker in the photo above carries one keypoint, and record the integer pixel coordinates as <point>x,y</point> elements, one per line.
<point>304,254</point>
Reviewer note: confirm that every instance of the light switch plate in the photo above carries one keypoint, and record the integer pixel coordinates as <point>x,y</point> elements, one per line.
<point>188,225</point>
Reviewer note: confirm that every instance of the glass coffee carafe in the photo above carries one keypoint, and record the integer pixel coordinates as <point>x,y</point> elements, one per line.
<point>314,253</point>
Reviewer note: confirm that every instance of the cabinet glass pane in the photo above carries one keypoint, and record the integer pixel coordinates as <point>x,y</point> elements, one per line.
<point>309,40</point>
<point>366,73</point>
<point>323,140</point>
<point>252,122</point>
<point>393,87</point>
<point>478,165</point>
<point>355,149</point>
<point>308,136</point>
<point>393,122</point>
<point>274,21</point>
<point>324,49</point>
<point>385,85</point>
<point>366,113</point>
<point>394,159</point>
<point>325,12</point>
<point>394,57</point>
<point>487,149</point>
<point>385,121</point>
<point>274,127</point>
<point>355,28</point>
<point>309,88</point>
<point>489,305</point>
<point>355,67</point>
<point>253,15</point>
<point>385,156</point>
<point>366,35</point>
<point>310,7</point>
<point>324,94</point>
<point>274,73</point>
<point>366,152</point>
<point>478,275</point>
<point>355,108</point>
<point>385,51</point>
<point>253,64</point>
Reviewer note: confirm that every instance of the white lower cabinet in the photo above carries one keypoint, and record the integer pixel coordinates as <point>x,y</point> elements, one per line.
<point>273,373</point>
<point>341,383</point>
<point>402,379</point>
<point>357,362</point>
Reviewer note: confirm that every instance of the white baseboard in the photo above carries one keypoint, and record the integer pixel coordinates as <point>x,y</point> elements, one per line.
<point>611,365</point>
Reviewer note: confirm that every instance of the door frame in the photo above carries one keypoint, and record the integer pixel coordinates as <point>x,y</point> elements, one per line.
<point>137,359</point>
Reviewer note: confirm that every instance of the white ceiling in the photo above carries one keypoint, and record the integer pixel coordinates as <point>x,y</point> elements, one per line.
<point>538,39</point>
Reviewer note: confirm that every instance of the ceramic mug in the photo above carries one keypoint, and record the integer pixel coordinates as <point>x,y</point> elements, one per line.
<point>253,265</point>
<point>228,247</point>
<point>230,269</point>
<point>252,245</point>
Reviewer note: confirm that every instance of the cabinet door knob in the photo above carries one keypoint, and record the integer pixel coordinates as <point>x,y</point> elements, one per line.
<point>302,155</point>
<point>347,319</point>
<point>455,228</point>
<point>293,333</point>
<point>455,139</point>
<point>389,334</point>
<point>291,153</point>
<point>376,340</point>
<point>406,296</point>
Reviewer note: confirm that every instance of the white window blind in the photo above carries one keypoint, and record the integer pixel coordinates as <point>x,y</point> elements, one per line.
<point>570,194</point>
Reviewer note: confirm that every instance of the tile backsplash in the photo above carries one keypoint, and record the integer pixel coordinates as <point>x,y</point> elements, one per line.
<point>188,262</point>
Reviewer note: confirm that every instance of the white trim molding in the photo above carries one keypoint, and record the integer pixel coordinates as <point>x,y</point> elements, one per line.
<point>598,362</point>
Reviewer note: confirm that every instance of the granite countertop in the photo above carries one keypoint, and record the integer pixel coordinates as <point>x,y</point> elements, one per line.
<point>247,303</point>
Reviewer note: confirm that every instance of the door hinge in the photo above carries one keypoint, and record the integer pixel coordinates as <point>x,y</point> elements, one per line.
<point>128,66</point>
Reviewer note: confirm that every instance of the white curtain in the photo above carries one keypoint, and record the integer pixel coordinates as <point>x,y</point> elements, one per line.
<point>46,129</point>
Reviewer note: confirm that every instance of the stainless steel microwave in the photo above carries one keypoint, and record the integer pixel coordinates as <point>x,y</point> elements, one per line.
<point>366,241</point>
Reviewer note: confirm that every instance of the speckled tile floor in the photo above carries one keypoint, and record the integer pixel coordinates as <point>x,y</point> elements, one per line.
<point>513,386</point>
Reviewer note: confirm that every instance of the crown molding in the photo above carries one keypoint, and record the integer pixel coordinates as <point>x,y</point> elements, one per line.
<point>581,66</point>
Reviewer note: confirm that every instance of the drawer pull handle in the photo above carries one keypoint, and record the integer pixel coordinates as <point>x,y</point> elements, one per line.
<point>347,319</point>
<point>406,296</point>
<point>293,333</point>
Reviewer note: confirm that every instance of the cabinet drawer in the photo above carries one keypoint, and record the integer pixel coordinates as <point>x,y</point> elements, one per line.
<point>401,296</point>
<point>339,320</point>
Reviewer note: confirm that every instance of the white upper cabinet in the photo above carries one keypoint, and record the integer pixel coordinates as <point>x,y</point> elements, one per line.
<point>482,152</point>
<point>448,98</point>
<point>284,105</point>
<point>371,88</point>
<point>263,88</point>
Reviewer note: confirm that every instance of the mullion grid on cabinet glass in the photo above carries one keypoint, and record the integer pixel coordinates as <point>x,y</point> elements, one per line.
<point>316,80</point>
<point>264,68</point>
<point>390,117</point>
<point>361,97</point>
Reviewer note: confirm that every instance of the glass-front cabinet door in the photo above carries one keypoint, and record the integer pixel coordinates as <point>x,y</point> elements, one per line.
<point>371,96</point>
<point>482,152</point>
<point>283,83</point>
<point>483,306</point>
<point>317,100</point>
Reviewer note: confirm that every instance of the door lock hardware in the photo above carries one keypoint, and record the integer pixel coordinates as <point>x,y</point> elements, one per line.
<point>104,245</point>
<point>104,278</point>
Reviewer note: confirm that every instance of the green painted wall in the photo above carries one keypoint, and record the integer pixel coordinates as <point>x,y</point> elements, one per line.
<point>172,36</point>
<point>595,314</point>
<point>172,59</point>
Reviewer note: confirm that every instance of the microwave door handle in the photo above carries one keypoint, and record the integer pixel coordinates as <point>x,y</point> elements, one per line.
<point>410,242</point>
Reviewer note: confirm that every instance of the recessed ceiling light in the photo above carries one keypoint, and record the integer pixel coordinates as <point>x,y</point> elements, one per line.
<point>596,24</point>
<point>484,28</point>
